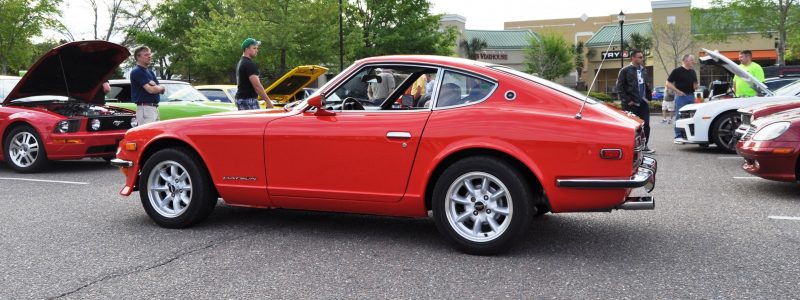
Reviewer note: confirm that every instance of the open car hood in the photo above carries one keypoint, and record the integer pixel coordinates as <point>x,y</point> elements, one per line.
<point>284,89</point>
<point>76,70</point>
<point>713,57</point>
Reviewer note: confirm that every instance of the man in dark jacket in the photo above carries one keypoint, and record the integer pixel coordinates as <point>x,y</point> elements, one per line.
<point>634,93</point>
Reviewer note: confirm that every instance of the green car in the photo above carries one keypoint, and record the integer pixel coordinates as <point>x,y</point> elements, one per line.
<point>180,100</point>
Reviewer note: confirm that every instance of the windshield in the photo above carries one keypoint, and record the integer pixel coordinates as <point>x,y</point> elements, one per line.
<point>6,85</point>
<point>577,95</point>
<point>792,89</point>
<point>181,92</point>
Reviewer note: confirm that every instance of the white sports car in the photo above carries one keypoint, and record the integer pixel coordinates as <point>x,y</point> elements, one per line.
<point>715,122</point>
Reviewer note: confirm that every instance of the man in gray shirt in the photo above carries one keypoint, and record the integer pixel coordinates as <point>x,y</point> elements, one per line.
<point>379,91</point>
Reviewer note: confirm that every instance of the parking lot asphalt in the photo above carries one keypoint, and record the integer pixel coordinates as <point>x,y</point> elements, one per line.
<point>716,232</point>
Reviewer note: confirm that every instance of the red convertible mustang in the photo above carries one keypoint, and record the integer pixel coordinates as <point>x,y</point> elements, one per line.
<point>771,146</point>
<point>485,147</point>
<point>48,115</point>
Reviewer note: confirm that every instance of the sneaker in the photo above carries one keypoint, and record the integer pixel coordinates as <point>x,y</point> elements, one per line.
<point>669,121</point>
<point>663,121</point>
<point>648,151</point>
<point>678,141</point>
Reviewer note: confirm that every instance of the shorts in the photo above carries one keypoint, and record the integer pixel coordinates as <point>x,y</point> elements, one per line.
<point>668,105</point>
<point>247,104</point>
<point>146,114</point>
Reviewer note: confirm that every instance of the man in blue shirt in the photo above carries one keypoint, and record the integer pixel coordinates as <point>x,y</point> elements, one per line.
<point>145,89</point>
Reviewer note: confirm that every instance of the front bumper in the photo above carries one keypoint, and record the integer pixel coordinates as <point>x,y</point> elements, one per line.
<point>121,163</point>
<point>689,131</point>
<point>761,160</point>
<point>82,144</point>
<point>645,177</point>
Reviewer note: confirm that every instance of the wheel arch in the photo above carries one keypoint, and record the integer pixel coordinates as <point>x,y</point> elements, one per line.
<point>171,142</point>
<point>712,126</point>
<point>13,125</point>
<point>536,186</point>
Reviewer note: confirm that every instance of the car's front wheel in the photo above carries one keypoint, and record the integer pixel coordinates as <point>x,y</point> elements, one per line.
<point>175,188</point>
<point>24,150</point>
<point>481,205</point>
<point>723,131</point>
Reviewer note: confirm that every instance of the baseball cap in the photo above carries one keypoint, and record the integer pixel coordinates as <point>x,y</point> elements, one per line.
<point>249,41</point>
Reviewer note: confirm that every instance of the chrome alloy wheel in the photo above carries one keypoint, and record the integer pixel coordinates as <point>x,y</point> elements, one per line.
<point>23,149</point>
<point>479,206</point>
<point>169,189</point>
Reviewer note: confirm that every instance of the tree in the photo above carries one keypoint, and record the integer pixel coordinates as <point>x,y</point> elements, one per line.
<point>550,58</point>
<point>400,27</point>
<point>473,47</point>
<point>577,52</point>
<point>21,20</point>
<point>671,42</point>
<point>641,43</point>
<point>767,17</point>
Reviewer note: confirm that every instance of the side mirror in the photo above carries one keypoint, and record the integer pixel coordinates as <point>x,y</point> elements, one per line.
<point>317,103</point>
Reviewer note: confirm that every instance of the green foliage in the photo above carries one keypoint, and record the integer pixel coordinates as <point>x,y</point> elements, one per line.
<point>601,96</point>
<point>400,27</point>
<point>21,20</point>
<point>549,58</point>
<point>655,105</point>
<point>473,47</point>
<point>577,51</point>
<point>641,43</point>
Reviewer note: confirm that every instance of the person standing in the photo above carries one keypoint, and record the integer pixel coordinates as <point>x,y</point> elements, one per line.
<point>667,106</point>
<point>740,85</point>
<point>145,88</point>
<point>247,81</point>
<point>633,92</point>
<point>682,81</point>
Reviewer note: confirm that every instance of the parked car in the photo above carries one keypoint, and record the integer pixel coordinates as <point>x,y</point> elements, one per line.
<point>218,92</point>
<point>180,100</point>
<point>48,114</point>
<point>715,122</point>
<point>658,93</point>
<point>292,86</point>
<point>7,83</point>
<point>774,83</point>
<point>771,147</point>
<point>469,152</point>
<point>751,113</point>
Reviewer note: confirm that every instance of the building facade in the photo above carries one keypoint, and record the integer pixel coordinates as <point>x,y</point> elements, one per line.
<point>669,24</point>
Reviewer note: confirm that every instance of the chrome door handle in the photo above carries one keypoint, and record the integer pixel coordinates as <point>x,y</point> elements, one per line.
<point>398,135</point>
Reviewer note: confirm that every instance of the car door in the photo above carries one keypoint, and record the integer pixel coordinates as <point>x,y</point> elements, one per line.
<point>361,155</point>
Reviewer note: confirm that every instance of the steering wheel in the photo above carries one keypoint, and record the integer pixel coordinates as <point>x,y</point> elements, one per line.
<point>351,103</point>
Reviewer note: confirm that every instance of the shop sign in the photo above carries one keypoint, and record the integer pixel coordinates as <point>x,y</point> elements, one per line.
<point>614,54</point>
<point>493,56</point>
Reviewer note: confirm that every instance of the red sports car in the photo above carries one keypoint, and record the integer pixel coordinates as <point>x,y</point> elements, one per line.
<point>771,147</point>
<point>49,114</point>
<point>483,146</point>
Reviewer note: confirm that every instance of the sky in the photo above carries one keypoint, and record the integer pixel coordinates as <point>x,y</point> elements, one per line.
<point>480,14</point>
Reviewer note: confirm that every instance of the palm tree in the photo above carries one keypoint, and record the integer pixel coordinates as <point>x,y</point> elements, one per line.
<point>472,47</point>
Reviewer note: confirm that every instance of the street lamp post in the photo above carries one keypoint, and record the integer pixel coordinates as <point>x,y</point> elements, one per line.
<point>621,19</point>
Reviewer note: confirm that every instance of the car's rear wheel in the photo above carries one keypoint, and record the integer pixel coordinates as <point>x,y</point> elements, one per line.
<point>481,205</point>
<point>723,131</point>
<point>175,188</point>
<point>24,150</point>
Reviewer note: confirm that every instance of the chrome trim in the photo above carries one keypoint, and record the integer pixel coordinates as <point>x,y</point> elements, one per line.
<point>398,135</point>
<point>121,163</point>
<point>641,178</point>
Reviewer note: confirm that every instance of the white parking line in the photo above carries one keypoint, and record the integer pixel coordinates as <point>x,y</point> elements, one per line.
<point>785,218</point>
<point>42,180</point>
<point>729,157</point>
<point>746,177</point>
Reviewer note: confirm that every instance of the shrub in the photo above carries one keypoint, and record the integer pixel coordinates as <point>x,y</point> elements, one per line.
<point>601,96</point>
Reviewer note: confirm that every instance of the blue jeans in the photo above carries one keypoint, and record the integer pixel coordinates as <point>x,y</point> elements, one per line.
<point>681,101</point>
<point>247,104</point>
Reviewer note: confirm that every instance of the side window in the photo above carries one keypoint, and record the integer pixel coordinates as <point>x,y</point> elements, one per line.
<point>384,87</point>
<point>120,93</point>
<point>458,89</point>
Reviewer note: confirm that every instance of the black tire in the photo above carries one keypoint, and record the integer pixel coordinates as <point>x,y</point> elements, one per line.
<point>202,197</point>
<point>40,161</point>
<point>723,131</point>
<point>519,205</point>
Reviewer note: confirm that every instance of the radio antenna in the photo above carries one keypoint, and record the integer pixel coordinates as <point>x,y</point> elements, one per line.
<point>579,116</point>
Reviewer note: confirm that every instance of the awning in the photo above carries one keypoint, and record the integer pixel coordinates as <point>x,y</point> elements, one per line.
<point>770,54</point>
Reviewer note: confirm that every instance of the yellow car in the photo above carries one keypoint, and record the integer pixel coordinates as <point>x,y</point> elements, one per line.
<point>289,88</point>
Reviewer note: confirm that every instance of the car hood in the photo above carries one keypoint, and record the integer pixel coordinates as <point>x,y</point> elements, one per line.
<point>76,70</point>
<point>735,103</point>
<point>713,57</point>
<point>787,115</point>
<point>771,106</point>
<point>283,89</point>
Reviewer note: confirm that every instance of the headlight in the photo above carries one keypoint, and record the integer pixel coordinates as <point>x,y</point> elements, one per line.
<point>62,126</point>
<point>771,131</point>
<point>686,114</point>
<point>133,122</point>
<point>95,124</point>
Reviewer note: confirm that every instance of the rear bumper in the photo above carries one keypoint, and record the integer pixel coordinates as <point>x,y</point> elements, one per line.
<point>645,177</point>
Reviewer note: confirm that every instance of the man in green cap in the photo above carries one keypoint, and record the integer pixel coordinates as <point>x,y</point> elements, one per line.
<point>247,81</point>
